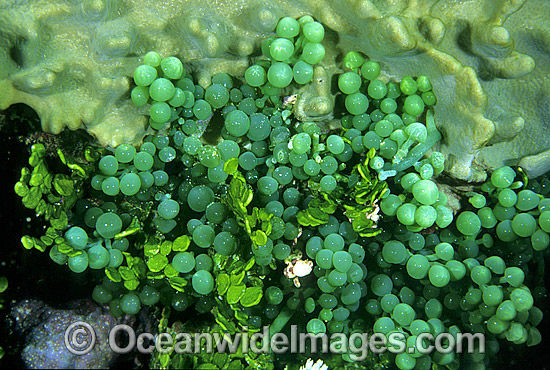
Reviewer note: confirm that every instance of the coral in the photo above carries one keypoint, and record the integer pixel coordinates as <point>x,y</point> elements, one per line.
<point>488,62</point>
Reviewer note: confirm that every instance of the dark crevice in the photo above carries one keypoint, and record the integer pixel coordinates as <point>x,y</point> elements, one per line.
<point>16,52</point>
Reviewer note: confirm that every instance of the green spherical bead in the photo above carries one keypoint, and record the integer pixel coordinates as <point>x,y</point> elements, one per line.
<point>149,296</point>
<point>370,70</point>
<point>425,191</point>
<point>108,225</point>
<point>130,184</point>
<point>506,311</point>
<point>160,112</point>
<point>413,105</point>
<point>544,221</point>
<point>408,85</point>
<point>203,236</point>
<point>505,232</point>
<point>522,299</point>
<point>316,326</point>
<point>349,82</point>
<point>524,225</point>
<point>302,72</point>
<point>77,237</point>
<point>334,242</point>
<point>351,294</point>
<point>403,314</point>
<point>480,275</point>
<point>328,183</point>
<point>314,31</point>
<point>168,209</point>
<point>540,240</point>
<point>405,361</point>
<point>406,213</point>
<point>115,258</point>
<point>425,216</point>
<point>130,304</point>
<point>274,295</point>
<point>394,252</point>
<point>381,285</point>
<point>183,262</point>
<point>224,243</point>
<point>468,223</point>
<point>162,89</point>
<point>388,105</point>
<point>335,144</point>
<point>98,257</point>
<point>323,258</point>
<point>281,49</point>
<point>228,149</point>
<point>357,103</point>
<point>279,74</point>
<point>203,282</point>
<point>140,95</point>
<point>377,89</point>
<point>496,326</point>
<point>102,295</point>
<point>383,128</point>
<point>144,75</point>
<point>313,52</point>
<point>444,216</point>
<point>172,68</point>
<point>439,276</point>
<point>288,27</point>
<point>301,143</point>
<point>217,95</point>
<point>209,156</point>
<point>492,295</point>
<point>259,127</point>
<point>143,161</point>
<point>125,153</point>
<point>199,198</point>
<point>202,109</point>
<point>418,266</point>
<point>255,76</point>
<point>267,185</point>
<point>384,325</point>
<point>342,261</point>
<point>423,83</point>
<point>78,263</point>
<point>337,278</point>
<point>152,59</point>
<point>503,177</point>
<point>507,197</point>
<point>527,200</point>
<point>237,123</point>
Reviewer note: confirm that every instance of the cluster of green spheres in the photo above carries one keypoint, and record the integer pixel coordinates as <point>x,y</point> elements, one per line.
<point>160,221</point>
<point>292,54</point>
<point>97,254</point>
<point>165,85</point>
<point>385,116</point>
<point>473,264</point>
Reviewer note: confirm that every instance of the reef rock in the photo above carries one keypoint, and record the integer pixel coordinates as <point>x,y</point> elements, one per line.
<point>45,329</point>
<point>488,60</point>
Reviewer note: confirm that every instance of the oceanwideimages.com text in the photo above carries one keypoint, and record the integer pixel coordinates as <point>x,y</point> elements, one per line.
<point>80,339</point>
